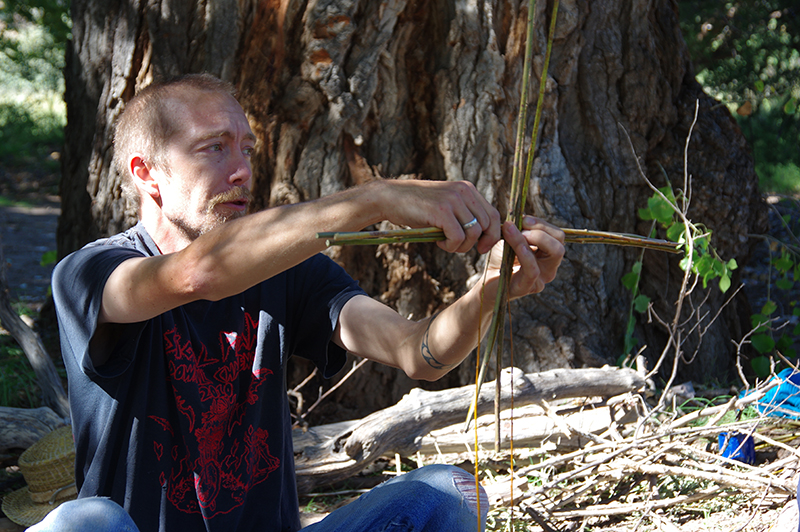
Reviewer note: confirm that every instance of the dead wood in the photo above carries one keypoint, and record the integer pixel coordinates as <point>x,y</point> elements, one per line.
<point>22,427</point>
<point>617,474</point>
<point>531,426</point>
<point>624,509</point>
<point>335,456</point>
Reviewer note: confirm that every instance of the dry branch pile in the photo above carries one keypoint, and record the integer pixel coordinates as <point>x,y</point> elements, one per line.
<point>659,472</point>
<point>591,452</point>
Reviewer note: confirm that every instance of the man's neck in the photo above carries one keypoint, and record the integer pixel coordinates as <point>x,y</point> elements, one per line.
<point>167,236</point>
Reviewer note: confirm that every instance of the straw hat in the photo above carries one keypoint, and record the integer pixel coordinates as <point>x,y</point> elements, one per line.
<point>49,470</point>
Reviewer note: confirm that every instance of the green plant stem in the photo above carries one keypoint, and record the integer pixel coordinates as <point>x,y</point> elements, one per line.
<point>434,234</point>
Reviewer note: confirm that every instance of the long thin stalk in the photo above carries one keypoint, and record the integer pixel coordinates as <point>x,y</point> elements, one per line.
<point>434,234</point>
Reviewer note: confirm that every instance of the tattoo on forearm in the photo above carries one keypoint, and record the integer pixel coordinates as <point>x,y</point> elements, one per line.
<point>426,349</point>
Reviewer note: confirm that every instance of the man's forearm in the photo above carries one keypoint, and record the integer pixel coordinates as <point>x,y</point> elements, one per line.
<point>244,252</point>
<point>235,256</point>
<point>451,335</point>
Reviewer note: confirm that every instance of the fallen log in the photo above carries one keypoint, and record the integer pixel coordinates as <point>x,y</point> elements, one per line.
<point>22,427</point>
<point>532,427</point>
<point>338,454</point>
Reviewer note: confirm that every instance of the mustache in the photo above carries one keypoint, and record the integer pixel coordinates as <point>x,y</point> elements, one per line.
<point>234,194</point>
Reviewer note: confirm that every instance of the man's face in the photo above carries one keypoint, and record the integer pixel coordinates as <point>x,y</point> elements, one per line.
<point>208,176</point>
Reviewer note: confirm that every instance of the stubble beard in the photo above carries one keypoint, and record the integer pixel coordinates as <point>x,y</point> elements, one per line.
<point>213,218</point>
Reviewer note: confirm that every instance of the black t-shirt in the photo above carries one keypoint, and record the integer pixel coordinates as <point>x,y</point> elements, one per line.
<point>187,424</point>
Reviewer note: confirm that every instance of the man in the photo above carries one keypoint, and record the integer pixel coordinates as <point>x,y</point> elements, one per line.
<point>175,334</point>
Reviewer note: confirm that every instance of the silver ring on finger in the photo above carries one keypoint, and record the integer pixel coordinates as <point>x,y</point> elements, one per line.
<point>469,224</point>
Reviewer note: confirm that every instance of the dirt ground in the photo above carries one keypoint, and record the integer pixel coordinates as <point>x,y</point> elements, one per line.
<point>28,221</point>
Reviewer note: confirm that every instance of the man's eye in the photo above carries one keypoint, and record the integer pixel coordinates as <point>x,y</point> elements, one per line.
<point>248,151</point>
<point>216,147</point>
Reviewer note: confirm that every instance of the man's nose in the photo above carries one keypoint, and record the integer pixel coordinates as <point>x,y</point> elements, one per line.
<point>242,171</point>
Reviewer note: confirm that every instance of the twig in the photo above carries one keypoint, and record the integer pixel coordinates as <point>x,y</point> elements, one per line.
<point>755,510</point>
<point>306,380</point>
<point>730,478</point>
<point>333,388</point>
<point>620,509</point>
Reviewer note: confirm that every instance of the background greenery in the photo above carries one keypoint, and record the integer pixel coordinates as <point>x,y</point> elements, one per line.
<point>33,35</point>
<point>745,54</point>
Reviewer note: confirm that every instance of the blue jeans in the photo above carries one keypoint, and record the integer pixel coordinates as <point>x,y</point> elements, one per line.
<point>435,498</point>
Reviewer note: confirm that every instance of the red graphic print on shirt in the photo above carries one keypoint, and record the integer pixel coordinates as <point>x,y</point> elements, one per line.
<point>220,456</point>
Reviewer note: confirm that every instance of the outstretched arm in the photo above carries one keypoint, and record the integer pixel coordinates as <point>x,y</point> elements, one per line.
<point>241,253</point>
<point>429,348</point>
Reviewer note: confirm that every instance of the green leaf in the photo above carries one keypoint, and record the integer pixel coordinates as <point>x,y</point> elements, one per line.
<point>646,214</point>
<point>630,280</point>
<point>783,263</point>
<point>705,265</point>
<point>763,343</point>
<point>760,366</point>
<point>784,343</point>
<point>724,283</point>
<point>720,268</point>
<point>759,322</point>
<point>641,303</point>
<point>759,85</point>
<point>784,283</point>
<point>675,232</point>
<point>732,265</point>
<point>769,307</point>
<point>660,209</point>
<point>48,258</point>
<point>701,243</point>
<point>791,106</point>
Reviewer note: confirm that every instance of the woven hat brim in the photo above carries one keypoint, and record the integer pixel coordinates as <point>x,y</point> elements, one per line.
<point>19,507</point>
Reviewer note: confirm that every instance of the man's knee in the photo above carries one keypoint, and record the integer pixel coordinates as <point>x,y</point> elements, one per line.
<point>455,480</point>
<point>97,514</point>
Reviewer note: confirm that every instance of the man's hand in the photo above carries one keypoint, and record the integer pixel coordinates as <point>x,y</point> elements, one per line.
<point>539,248</point>
<point>429,348</point>
<point>448,205</point>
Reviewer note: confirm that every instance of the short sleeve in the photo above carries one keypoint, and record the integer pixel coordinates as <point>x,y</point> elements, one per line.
<point>78,284</point>
<point>321,288</point>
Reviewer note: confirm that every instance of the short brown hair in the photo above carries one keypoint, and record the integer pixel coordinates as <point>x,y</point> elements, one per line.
<point>146,125</point>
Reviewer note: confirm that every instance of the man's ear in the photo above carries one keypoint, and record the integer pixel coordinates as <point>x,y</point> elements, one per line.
<point>143,177</point>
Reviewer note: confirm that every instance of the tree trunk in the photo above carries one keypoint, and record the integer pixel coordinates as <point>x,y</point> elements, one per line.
<point>343,91</point>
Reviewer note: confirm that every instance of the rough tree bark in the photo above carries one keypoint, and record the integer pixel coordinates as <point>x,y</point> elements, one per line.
<point>342,91</point>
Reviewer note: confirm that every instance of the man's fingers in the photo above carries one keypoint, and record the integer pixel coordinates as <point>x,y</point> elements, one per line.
<point>532,223</point>
<point>470,221</point>
<point>538,251</point>
<point>527,272</point>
